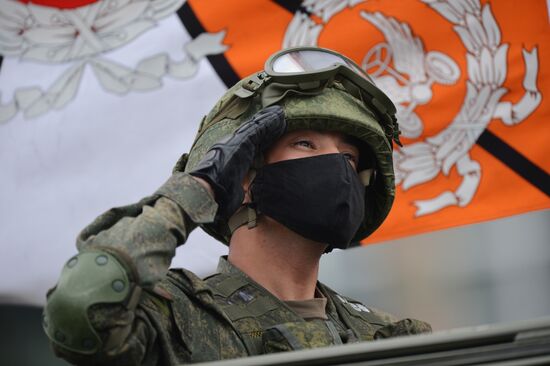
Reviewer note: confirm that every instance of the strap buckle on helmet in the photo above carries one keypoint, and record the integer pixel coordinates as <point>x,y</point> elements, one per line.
<point>245,215</point>
<point>251,86</point>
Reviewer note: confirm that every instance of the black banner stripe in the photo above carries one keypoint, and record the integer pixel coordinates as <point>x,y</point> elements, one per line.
<point>292,6</point>
<point>1,60</point>
<point>218,62</point>
<point>515,161</point>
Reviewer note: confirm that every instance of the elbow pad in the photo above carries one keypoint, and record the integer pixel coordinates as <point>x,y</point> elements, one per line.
<point>91,277</point>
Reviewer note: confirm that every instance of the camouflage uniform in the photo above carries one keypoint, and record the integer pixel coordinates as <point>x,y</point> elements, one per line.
<point>184,319</point>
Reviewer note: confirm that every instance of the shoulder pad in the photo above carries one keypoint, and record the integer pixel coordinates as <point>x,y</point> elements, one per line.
<point>89,278</point>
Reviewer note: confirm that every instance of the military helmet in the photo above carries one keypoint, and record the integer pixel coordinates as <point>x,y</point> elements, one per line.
<point>333,95</point>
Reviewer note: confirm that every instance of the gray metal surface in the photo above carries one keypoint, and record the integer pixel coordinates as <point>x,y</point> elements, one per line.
<point>522,343</point>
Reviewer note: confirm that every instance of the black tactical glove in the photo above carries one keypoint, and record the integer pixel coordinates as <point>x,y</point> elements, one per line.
<point>228,161</point>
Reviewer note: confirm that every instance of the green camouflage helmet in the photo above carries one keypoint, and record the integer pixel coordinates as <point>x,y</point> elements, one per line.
<point>331,105</point>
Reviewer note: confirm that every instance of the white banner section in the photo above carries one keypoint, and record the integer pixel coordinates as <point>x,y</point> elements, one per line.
<point>79,137</point>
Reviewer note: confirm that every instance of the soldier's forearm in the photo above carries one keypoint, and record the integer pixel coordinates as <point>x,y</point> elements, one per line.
<point>144,236</point>
<point>145,243</point>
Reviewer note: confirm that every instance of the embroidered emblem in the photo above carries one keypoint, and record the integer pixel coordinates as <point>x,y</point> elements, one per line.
<point>354,305</point>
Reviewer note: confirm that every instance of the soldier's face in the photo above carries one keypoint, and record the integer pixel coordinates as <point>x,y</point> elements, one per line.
<point>308,143</point>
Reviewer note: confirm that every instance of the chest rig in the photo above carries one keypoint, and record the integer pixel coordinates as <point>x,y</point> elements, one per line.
<point>265,324</point>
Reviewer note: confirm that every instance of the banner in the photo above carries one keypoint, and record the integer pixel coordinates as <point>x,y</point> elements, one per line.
<point>468,79</point>
<point>99,98</point>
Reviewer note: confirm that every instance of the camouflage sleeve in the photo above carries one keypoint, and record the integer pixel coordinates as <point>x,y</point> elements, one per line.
<point>398,328</point>
<point>143,237</point>
<point>402,328</point>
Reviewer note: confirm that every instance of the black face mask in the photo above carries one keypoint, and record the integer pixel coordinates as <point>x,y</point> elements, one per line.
<point>321,197</point>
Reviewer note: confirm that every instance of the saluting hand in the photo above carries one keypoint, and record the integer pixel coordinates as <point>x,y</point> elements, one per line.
<point>227,162</point>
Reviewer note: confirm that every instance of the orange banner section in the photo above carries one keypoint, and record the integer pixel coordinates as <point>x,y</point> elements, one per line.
<point>470,80</point>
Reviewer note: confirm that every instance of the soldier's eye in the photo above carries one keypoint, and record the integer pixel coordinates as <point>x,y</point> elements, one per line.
<point>304,143</point>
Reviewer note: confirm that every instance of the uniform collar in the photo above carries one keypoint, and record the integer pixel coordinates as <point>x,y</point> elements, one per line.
<point>226,267</point>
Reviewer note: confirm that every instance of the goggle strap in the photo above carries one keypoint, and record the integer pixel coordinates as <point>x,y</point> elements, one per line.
<point>389,123</point>
<point>351,88</point>
<point>251,86</point>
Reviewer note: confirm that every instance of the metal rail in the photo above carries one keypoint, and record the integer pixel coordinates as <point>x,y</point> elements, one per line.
<point>515,344</point>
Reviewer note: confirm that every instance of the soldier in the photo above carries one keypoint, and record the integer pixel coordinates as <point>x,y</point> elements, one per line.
<point>292,162</point>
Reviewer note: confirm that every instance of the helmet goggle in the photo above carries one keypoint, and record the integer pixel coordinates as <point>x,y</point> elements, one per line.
<point>309,67</point>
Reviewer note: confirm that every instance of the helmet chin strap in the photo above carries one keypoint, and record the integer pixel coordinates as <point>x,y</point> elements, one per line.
<point>245,215</point>
<point>366,176</point>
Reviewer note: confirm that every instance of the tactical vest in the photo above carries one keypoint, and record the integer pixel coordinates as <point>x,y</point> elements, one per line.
<point>265,324</point>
